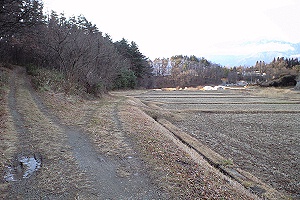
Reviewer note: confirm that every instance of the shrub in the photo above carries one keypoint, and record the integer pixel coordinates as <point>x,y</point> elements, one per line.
<point>126,79</point>
<point>284,81</point>
<point>32,70</point>
<point>96,89</point>
<point>46,80</point>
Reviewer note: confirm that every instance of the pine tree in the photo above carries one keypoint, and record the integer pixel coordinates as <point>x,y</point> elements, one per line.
<point>17,16</point>
<point>139,64</point>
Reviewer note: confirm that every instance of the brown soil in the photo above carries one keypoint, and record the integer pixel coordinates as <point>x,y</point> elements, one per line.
<point>257,130</point>
<point>99,149</point>
<point>71,165</point>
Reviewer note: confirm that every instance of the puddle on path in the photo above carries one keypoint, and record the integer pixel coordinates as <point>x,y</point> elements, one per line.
<point>23,167</point>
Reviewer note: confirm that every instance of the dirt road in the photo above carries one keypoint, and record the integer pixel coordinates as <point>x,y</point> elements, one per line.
<point>64,147</point>
<point>68,163</point>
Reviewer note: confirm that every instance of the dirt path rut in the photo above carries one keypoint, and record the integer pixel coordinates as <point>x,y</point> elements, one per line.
<point>110,148</point>
<point>67,163</point>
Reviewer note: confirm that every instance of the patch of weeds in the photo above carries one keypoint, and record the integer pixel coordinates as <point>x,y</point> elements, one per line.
<point>155,117</point>
<point>247,184</point>
<point>32,70</point>
<point>4,78</point>
<point>47,80</point>
<point>96,121</point>
<point>52,80</point>
<point>159,114</point>
<point>151,113</point>
<point>96,89</point>
<point>227,162</point>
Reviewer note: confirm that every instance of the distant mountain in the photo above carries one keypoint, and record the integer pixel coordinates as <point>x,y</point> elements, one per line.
<point>291,50</point>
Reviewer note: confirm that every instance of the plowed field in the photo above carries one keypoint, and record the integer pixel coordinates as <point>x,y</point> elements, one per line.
<point>258,130</point>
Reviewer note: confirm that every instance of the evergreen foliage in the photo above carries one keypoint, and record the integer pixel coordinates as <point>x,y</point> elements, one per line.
<point>18,16</point>
<point>139,64</point>
<point>72,46</point>
<point>77,49</point>
<point>125,80</point>
<point>279,67</point>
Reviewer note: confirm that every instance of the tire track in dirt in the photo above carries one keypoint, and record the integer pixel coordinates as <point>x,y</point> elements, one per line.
<point>102,172</point>
<point>18,120</point>
<point>116,176</point>
<point>42,167</point>
<point>132,164</point>
<point>24,147</point>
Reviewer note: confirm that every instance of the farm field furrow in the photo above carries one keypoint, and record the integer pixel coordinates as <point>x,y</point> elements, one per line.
<point>260,134</point>
<point>235,107</point>
<point>267,145</point>
<point>225,99</point>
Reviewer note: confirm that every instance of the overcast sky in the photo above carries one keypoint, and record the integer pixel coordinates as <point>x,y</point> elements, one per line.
<point>163,28</point>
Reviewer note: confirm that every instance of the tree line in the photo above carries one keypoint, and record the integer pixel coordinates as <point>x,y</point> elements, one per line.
<point>75,49</point>
<point>188,71</point>
<point>71,46</point>
<point>278,67</point>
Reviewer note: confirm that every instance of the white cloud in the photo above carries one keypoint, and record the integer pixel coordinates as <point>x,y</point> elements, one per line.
<point>163,28</point>
<point>295,56</point>
<point>249,48</point>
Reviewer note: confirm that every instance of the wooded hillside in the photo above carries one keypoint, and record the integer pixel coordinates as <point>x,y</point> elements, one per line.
<point>74,47</point>
<point>75,56</point>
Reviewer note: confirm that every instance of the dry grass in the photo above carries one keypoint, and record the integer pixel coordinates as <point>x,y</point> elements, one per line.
<point>178,170</point>
<point>106,135</point>
<point>59,174</point>
<point>118,127</point>
<point>229,122</point>
<point>104,128</point>
<point>44,133</point>
<point>95,117</point>
<point>98,119</point>
<point>177,173</point>
<point>272,92</point>
<point>71,109</point>
<point>8,136</point>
